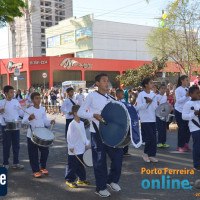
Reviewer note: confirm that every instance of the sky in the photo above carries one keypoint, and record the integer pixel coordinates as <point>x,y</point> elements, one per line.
<point>126,11</point>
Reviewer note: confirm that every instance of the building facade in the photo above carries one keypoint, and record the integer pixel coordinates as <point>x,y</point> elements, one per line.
<point>86,37</point>
<point>27,33</point>
<point>60,69</point>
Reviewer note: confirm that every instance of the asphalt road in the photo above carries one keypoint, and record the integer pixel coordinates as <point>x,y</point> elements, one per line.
<point>23,186</point>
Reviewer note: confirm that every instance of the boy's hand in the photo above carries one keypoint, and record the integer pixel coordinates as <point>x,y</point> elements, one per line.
<point>31,117</point>
<point>28,106</point>
<point>148,100</point>
<point>98,117</point>
<point>87,147</point>
<point>72,150</point>
<point>2,110</point>
<point>52,122</point>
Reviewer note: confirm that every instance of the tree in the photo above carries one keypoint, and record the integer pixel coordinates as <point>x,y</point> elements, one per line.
<point>134,77</point>
<point>177,41</point>
<point>9,9</point>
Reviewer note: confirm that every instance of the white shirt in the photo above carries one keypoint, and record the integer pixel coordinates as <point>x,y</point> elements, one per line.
<point>188,114</point>
<point>40,121</point>
<point>59,95</point>
<point>94,103</point>
<point>181,98</point>
<point>80,98</point>
<point>146,114</point>
<point>67,107</point>
<point>76,138</point>
<point>161,99</point>
<point>12,110</point>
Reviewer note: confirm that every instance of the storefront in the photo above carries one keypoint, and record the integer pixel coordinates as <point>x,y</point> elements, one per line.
<point>60,69</point>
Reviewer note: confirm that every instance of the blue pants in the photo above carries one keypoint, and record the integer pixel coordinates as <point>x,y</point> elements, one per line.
<point>196,149</point>
<point>67,125</point>
<point>149,135</point>
<point>99,151</point>
<point>183,130</point>
<point>10,138</point>
<point>125,149</point>
<point>33,156</point>
<point>162,130</point>
<point>75,168</point>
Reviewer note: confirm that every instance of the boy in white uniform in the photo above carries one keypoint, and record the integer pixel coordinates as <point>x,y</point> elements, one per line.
<point>191,112</point>
<point>77,144</point>
<point>80,97</point>
<point>37,118</point>
<point>10,109</point>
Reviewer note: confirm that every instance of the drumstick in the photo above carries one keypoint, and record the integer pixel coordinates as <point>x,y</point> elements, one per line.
<point>79,159</point>
<point>25,111</point>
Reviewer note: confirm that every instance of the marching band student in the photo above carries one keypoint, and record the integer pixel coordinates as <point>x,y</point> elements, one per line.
<point>95,102</point>
<point>182,96</point>
<point>67,108</point>
<point>11,112</point>
<point>191,112</point>
<point>37,118</point>
<point>146,106</point>
<point>120,97</point>
<point>77,144</point>
<point>161,125</point>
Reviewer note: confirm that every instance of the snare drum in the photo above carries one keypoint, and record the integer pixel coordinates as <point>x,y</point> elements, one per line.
<point>42,136</point>
<point>87,158</point>
<point>13,126</point>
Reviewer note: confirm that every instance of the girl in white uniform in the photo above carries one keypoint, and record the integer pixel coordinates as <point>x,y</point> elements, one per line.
<point>182,96</point>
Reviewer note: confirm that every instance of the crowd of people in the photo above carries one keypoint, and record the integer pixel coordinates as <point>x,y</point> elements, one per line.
<point>80,105</point>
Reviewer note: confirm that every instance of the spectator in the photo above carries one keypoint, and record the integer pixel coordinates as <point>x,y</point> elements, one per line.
<point>80,97</point>
<point>197,81</point>
<point>53,97</point>
<point>125,92</point>
<point>18,95</point>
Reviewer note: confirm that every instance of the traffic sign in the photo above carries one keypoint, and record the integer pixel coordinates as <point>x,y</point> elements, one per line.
<point>16,71</point>
<point>44,75</point>
<point>20,78</point>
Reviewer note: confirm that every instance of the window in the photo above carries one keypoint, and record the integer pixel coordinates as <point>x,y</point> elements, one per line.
<point>43,44</point>
<point>42,23</point>
<point>43,51</point>
<point>49,24</point>
<point>42,30</point>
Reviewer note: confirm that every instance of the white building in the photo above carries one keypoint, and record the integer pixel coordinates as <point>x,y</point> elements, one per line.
<point>87,37</point>
<point>27,34</point>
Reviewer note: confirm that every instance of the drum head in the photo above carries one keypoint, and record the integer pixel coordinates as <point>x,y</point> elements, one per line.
<point>43,133</point>
<point>87,158</point>
<point>116,116</point>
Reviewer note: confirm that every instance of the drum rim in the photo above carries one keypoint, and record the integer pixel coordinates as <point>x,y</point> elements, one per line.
<point>40,138</point>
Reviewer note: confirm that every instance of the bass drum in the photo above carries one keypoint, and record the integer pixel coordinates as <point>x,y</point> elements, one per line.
<point>116,132</point>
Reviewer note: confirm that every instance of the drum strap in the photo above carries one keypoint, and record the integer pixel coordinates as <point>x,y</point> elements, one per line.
<point>97,131</point>
<point>72,101</point>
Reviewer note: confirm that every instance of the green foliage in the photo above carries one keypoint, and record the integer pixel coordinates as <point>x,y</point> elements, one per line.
<point>134,77</point>
<point>178,39</point>
<point>10,9</point>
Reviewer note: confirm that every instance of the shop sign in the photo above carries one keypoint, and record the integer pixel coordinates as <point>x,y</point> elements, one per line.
<point>11,65</point>
<point>68,63</point>
<point>38,62</point>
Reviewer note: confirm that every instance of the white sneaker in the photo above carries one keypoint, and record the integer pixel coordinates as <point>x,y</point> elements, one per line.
<point>146,158</point>
<point>152,159</point>
<point>17,166</point>
<point>114,186</point>
<point>6,166</point>
<point>103,193</point>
